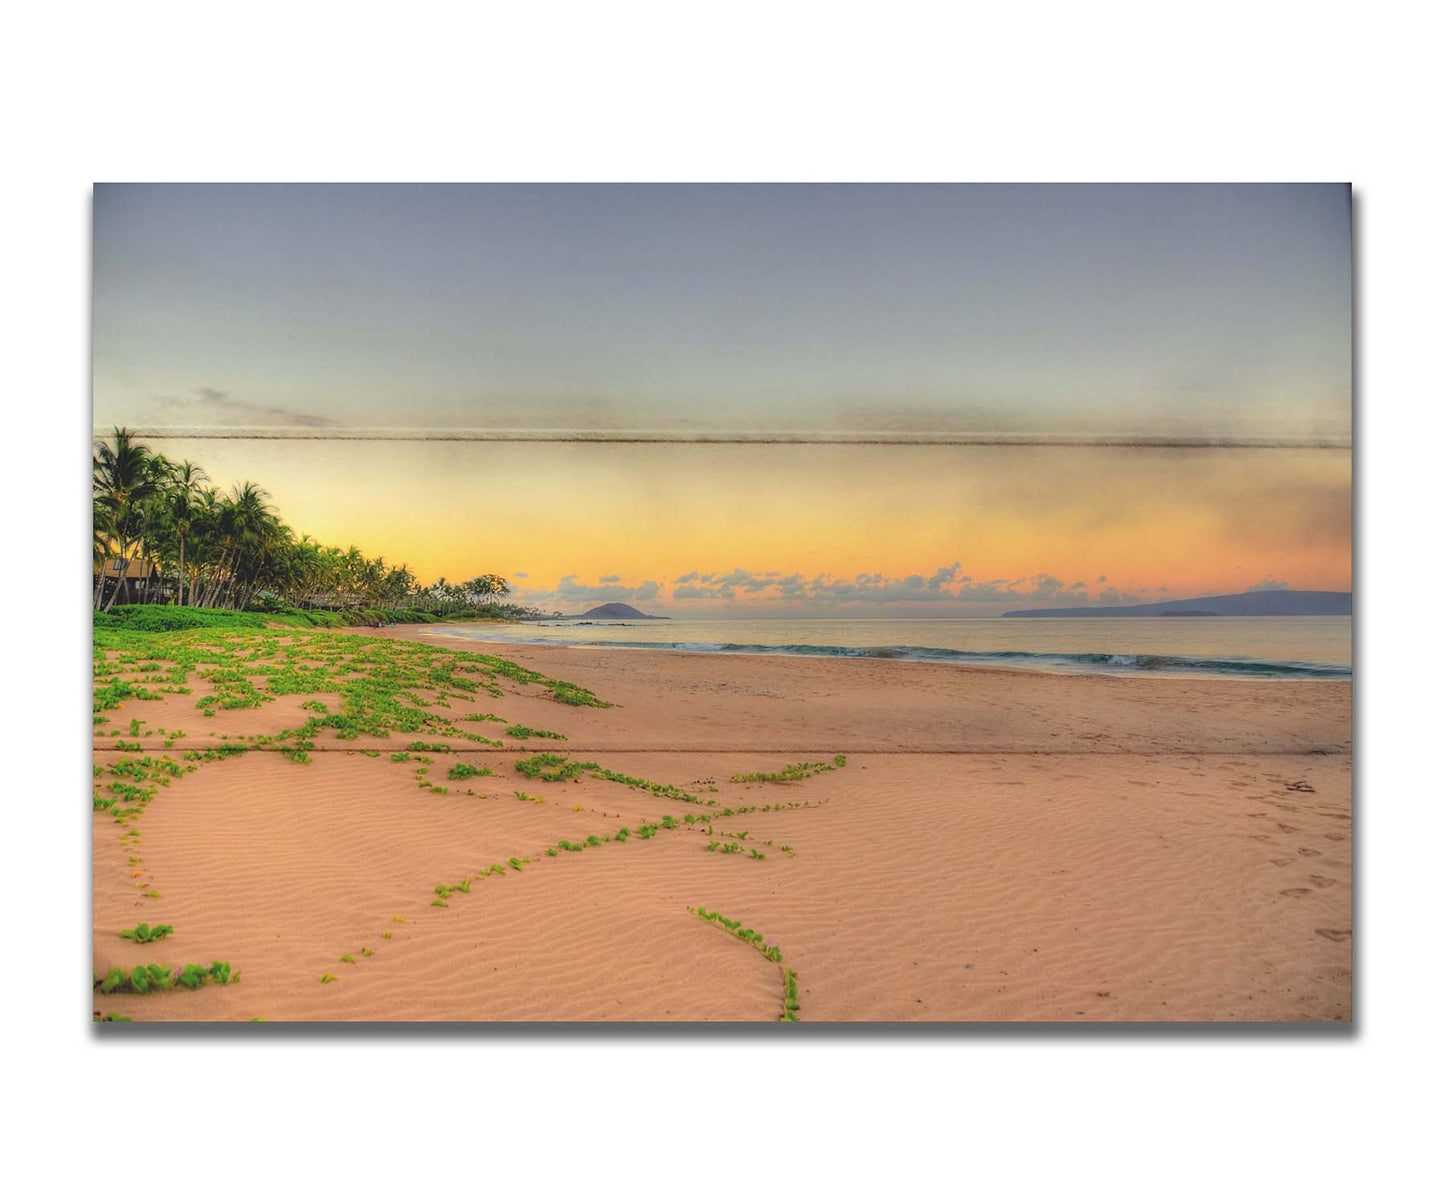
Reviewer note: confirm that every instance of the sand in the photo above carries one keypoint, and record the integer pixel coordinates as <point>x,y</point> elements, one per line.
<point>1000,846</point>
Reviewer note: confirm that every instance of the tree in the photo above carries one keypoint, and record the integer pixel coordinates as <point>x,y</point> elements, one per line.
<point>182,505</point>
<point>125,479</point>
<point>228,549</point>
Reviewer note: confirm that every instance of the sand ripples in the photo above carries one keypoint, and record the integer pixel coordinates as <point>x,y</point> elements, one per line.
<point>1175,880</point>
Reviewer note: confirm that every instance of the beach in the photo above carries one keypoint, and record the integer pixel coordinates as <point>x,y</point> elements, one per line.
<point>995,845</point>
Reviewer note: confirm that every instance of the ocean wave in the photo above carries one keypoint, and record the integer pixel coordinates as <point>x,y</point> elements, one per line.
<point>1064,662</point>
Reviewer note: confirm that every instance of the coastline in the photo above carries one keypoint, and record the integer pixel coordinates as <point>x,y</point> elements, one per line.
<point>896,705</point>
<point>1167,661</point>
<point>999,846</point>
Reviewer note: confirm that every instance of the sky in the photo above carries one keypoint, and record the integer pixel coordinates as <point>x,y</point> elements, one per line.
<point>1192,312</point>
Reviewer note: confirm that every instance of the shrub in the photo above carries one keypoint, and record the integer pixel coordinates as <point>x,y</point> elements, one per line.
<point>144,934</point>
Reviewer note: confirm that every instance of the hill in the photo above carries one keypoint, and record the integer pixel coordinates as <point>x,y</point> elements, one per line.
<point>615,610</point>
<point>1259,603</point>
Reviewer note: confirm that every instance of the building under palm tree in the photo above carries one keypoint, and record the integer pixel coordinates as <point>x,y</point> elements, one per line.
<point>139,580</point>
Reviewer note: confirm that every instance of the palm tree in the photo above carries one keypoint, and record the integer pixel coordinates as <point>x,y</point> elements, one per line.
<point>125,478</point>
<point>101,547</point>
<point>238,524</point>
<point>182,505</point>
<point>225,549</point>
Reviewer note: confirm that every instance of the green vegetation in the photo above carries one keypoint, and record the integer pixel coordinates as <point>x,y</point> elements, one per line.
<point>645,832</point>
<point>717,846</point>
<point>460,772</point>
<point>144,934</point>
<point>790,994</point>
<point>794,773</point>
<point>555,767</point>
<point>163,534</point>
<point>145,980</point>
<point>243,645</point>
<point>518,732</point>
<point>378,681</point>
<point>550,767</point>
<point>773,953</point>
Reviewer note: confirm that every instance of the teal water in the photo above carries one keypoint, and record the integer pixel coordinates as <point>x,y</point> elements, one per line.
<point>1232,647</point>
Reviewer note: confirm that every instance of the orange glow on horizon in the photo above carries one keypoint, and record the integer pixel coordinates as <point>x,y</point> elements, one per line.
<point>1196,522</point>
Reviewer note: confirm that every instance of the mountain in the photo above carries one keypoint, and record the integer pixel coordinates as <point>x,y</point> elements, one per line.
<point>615,610</point>
<point>1255,603</point>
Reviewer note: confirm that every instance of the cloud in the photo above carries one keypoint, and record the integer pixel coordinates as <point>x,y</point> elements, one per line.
<point>572,591</point>
<point>945,585</point>
<point>520,574</point>
<point>1268,583</point>
<point>727,586</point>
<point>217,407</point>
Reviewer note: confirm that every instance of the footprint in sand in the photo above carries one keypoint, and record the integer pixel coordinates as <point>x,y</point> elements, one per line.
<point>1281,861</point>
<point>1304,852</point>
<point>1295,892</point>
<point>1286,828</point>
<point>1321,882</point>
<point>1333,934</point>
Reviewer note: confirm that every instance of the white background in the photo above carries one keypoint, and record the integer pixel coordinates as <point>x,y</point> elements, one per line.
<point>743,91</point>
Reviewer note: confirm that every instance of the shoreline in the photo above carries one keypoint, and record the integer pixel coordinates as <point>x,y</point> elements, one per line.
<point>1063,664</point>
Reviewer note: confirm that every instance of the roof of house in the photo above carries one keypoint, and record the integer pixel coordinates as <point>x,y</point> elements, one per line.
<point>136,568</point>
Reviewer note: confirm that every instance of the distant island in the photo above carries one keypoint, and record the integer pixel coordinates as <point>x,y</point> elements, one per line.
<point>615,610</point>
<point>1256,603</point>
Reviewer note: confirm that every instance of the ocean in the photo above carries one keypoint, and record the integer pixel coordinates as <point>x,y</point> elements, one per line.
<point>1317,648</point>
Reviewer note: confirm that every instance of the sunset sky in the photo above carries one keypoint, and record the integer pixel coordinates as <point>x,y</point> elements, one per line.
<point>1199,312</point>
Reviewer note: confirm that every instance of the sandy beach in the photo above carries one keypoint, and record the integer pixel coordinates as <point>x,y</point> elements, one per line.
<point>999,846</point>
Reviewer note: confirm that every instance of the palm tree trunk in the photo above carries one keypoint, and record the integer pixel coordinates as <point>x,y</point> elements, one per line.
<point>214,591</point>
<point>123,563</point>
